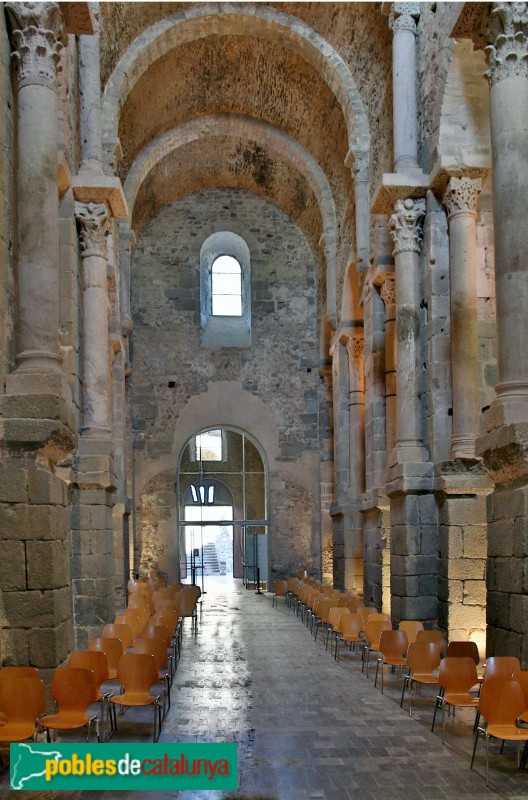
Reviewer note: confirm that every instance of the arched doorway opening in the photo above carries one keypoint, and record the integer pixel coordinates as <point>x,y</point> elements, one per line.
<point>223,508</point>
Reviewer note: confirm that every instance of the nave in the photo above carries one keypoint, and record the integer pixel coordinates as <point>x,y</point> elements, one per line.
<point>307,728</point>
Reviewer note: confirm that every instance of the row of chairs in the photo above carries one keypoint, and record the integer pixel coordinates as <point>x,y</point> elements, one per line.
<point>137,650</point>
<point>502,698</point>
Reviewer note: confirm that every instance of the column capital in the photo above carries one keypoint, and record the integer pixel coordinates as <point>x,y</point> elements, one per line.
<point>94,228</point>
<point>404,16</point>
<point>405,224</point>
<point>388,292</point>
<point>462,194</point>
<point>507,33</point>
<point>37,33</point>
<point>355,345</point>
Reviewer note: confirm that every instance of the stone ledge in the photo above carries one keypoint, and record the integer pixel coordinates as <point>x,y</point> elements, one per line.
<point>505,453</point>
<point>372,499</point>
<point>93,188</point>
<point>462,477</point>
<point>398,186</point>
<point>410,478</point>
<point>54,439</point>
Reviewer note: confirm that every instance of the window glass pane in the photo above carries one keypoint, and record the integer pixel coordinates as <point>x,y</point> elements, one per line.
<point>226,264</point>
<point>227,284</point>
<point>209,446</point>
<point>227,305</point>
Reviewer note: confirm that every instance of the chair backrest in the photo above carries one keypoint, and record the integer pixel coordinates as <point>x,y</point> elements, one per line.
<point>376,616</point>
<point>365,612</point>
<point>424,657</point>
<point>168,620</point>
<point>193,589</point>
<point>501,701</point>
<point>119,631</point>
<point>350,624</point>
<point>326,590</point>
<point>154,647</point>
<point>111,647</point>
<point>334,616</point>
<point>324,609</point>
<point>186,603</point>
<point>160,632</point>
<point>373,631</point>
<point>522,677</point>
<point>137,672</point>
<point>393,644</point>
<point>463,650</point>
<point>457,674</point>
<point>160,596</point>
<point>501,667</point>
<point>91,659</point>
<point>432,636</point>
<point>136,618</point>
<point>411,628</point>
<point>143,601</point>
<point>350,601</point>
<point>22,695</point>
<point>73,688</point>
<point>281,588</point>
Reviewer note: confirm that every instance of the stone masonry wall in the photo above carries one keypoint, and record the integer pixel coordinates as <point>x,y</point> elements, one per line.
<point>170,367</point>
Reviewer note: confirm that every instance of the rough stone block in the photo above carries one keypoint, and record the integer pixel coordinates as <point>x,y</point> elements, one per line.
<point>45,488</point>
<point>47,565</point>
<point>475,593</point>
<point>12,566</point>
<point>30,609</point>
<point>14,647</point>
<point>25,522</point>
<point>467,569</point>
<point>90,566</point>
<point>501,538</point>
<point>475,541</point>
<point>13,481</point>
<point>49,647</point>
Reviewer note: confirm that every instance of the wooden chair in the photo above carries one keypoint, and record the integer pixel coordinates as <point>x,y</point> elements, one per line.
<point>463,650</point>
<point>97,661</point>
<point>457,675</point>
<point>432,636</point>
<point>337,613</point>
<point>350,627</point>
<point>119,631</point>
<point>501,703</point>
<point>113,650</point>
<point>137,673</point>
<point>156,648</point>
<point>74,690</point>
<point>393,647</point>
<point>423,660</point>
<point>373,631</point>
<point>280,590</point>
<point>22,702</point>
<point>411,628</point>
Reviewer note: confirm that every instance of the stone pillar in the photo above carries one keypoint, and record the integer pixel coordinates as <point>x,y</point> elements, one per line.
<point>503,447</point>
<point>327,472</point>
<point>406,232</point>
<point>388,295</point>
<point>360,173</point>
<point>90,104</point>
<point>355,345</point>
<point>37,30</point>
<point>403,18</point>
<point>94,229</point>
<point>461,202</point>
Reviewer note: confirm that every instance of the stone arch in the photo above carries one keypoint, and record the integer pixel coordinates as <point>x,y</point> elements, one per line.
<point>263,133</point>
<point>230,19</point>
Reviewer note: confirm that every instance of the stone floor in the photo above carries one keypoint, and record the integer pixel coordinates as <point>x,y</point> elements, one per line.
<point>307,728</point>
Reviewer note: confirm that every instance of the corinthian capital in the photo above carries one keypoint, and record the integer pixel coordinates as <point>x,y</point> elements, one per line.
<point>508,33</point>
<point>37,30</point>
<point>94,227</point>
<point>405,224</point>
<point>462,195</point>
<point>403,17</point>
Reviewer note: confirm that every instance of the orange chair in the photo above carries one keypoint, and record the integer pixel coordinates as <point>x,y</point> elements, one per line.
<point>423,660</point>
<point>411,628</point>
<point>505,667</point>
<point>393,647</point>
<point>432,636</point>
<point>113,650</point>
<point>156,648</point>
<point>463,650</point>
<point>501,703</point>
<point>137,618</point>
<point>371,644</point>
<point>163,633</point>
<point>22,702</point>
<point>119,631</point>
<point>457,675</point>
<point>280,590</point>
<point>137,673</point>
<point>337,613</point>
<point>143,601</point>
<point>365,612</point>
<point>98,663</point>
<point>73,690</point>
<point>350,626</point>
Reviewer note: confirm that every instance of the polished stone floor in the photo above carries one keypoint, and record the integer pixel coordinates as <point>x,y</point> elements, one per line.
<point>307,728</point>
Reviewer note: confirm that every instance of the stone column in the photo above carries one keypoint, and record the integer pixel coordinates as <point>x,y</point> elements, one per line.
<point>403,18</point>
<point>326,472</point>
<point>355,346</point>
<point>36,35</point>
<point>508,77</point>
<point>360,173</point>
<point>461,202</point>
<point>406,233</point>
<point>388,295</point>
<point>90,103</point>
<point>94,228</point>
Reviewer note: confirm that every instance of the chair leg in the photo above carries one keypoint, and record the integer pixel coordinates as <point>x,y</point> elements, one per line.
<point>377,670</point>
<point>487,759</point>
<point>474,747</point>
<point>405,679</point>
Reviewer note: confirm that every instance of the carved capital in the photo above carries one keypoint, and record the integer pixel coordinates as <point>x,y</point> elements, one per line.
<point>388,292</point>
<point>355,346</point>
<point>37,31</point>
<point>462,195</point>
<point>405,224</point>
<point>404,16</point>
<point>94,228</point>
<point>507,53</point>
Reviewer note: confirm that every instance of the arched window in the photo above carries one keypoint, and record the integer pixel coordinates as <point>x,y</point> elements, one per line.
<point>226,287</point>
<point>225,291</point>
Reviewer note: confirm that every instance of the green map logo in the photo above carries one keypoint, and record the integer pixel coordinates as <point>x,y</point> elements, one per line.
<point>164,766</point>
